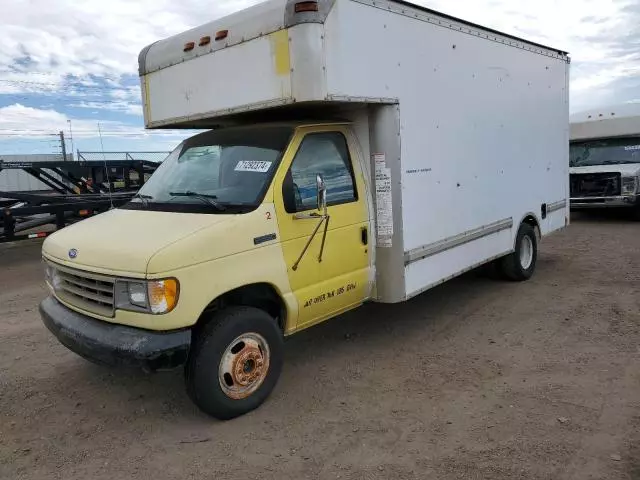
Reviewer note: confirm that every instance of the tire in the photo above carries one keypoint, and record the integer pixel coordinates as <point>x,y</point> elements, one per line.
<point>520,265</point>
<point>239,343</point>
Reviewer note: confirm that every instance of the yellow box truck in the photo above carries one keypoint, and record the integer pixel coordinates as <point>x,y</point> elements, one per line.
<point>354,151</point>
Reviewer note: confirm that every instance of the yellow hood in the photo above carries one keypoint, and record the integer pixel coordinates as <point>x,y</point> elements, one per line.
<point>123,241</point>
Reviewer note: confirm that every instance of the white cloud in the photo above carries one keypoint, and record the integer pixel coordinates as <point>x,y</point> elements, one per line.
<point>599,35</point>
<point>30,130</point>
<point>94,37</point>
<point>18,120</point>
<point>121,106</point>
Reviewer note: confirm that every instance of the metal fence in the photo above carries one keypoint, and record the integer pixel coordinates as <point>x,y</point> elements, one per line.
<point>122,156</point>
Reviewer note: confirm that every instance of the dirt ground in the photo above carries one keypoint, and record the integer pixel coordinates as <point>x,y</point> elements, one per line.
<point>477,379</point>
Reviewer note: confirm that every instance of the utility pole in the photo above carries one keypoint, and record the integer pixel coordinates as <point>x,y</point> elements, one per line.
<point>73,148</point>
<point>63,146</point>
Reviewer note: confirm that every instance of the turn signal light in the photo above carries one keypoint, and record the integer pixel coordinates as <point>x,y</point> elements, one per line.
<point>189,46</point>
<point>205,41</point>
<point>163,295</point>
<point>221,35</point>
<point>306,7</point>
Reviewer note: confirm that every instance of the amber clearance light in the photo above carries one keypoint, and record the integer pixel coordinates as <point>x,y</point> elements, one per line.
<point>301,7</point>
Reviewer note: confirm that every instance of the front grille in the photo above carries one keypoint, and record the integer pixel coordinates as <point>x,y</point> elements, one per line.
<point>89,291</point>
<point>595,185</point>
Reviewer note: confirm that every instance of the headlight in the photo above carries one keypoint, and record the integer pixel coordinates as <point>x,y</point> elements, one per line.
<point>137,294</point>
<point>151,296</point>
<point>48,272</point>
<point>51,276</point>
<point>629,185</point>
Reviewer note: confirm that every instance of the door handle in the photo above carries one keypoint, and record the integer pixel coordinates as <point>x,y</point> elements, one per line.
<point>364,232</point>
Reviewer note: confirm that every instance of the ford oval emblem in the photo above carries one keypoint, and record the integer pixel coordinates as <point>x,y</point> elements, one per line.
<point>73,253</point>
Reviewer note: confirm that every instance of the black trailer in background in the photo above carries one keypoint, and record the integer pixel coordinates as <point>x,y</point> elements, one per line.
<point>78,190</point>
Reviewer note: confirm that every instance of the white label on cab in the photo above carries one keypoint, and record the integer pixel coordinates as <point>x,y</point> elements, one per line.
<point>632,147</point>
<point>384,205</point>
<point>253,166</point>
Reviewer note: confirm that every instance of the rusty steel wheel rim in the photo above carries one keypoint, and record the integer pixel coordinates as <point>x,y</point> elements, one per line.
<point>244,366</point>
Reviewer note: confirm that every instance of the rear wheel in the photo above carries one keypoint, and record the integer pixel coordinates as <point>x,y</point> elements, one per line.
<point>521,264</point>
<point>235,362</point>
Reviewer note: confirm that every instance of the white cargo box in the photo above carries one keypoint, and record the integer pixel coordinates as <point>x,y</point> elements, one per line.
<point>469,127</point>
<point>348,50</point>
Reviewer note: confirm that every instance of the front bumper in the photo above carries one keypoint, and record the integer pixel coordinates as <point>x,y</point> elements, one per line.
<point>113,344</point>
<point>605,202</point>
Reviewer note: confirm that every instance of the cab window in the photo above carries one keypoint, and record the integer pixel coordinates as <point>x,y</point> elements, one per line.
<point>325,154</point>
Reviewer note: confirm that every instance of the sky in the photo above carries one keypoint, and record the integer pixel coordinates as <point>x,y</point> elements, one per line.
<point>72,66</point>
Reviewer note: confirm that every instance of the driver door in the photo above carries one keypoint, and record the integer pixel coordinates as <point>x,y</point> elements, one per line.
<point>330,276</point>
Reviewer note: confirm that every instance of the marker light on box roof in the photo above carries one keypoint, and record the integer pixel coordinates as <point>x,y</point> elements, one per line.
<point>301,7</point>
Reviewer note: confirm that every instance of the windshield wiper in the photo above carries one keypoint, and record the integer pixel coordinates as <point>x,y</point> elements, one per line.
<point>210,199</point>
<point>143,198</point>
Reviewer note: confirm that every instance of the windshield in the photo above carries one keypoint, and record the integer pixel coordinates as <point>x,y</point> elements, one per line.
<point>216,171</point>
<point>605,152</point>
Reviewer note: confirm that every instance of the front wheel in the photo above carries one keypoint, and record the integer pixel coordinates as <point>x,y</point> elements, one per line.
<point>235,362</point>
<point>521,264</point>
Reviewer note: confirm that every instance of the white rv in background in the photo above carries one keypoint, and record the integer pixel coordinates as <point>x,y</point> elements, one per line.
<point>605,158</point>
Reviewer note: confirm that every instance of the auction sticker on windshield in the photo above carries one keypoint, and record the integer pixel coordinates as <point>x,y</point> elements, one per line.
<point>632,147</point>
<point>253,166</point>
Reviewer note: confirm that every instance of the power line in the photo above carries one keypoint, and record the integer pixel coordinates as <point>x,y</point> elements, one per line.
<point>28,134</point>
<point>68,86</point>
<point>132,131</point>
<point>81,130</point>
<point>63,81</point>
<point>106,105</point>
<point>25,72</point>
<point>87,96</point>
<point>85,133</point>
<point>31,130</point>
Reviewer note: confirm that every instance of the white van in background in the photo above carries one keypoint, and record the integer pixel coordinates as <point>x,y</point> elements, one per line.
<point>605,158</point>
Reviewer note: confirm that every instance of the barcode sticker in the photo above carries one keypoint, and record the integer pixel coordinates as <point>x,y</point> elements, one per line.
<point>253,166</point>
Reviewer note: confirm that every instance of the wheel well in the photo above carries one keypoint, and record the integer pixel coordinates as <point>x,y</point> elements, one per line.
<point>530,219</point>
<point>258,295</point>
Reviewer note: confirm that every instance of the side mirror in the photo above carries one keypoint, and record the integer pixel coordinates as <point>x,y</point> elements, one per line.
<point>322,193</point>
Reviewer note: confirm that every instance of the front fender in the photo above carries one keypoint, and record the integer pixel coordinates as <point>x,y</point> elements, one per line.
<point>202,283</point>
